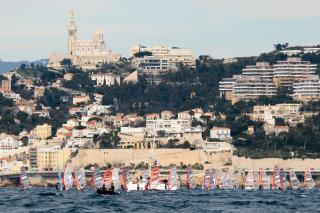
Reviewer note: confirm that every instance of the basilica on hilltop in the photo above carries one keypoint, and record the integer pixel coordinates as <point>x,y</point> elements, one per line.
<point>87,54</point>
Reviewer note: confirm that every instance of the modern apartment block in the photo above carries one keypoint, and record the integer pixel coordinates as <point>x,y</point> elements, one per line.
<point>263,79</point>
<point>174,55</point>
<point>291,70</point>
<point>153,65</point>
<point>256,80</point>
<point>307,89</point>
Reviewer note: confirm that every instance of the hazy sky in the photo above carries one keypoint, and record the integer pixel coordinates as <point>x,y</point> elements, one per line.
<point>33,29</point>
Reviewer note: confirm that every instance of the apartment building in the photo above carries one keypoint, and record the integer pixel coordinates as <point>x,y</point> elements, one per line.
<point>43,131</point>
<point>174,55</point>
<point>307,89</point>
<point>8,143</point>
<point>221,133</point>
<point>48,158</point>
<point>153,65</point>
<point>262,79</point>
<point>291,70</point>
<point>165,127</point>
<point>268,113</point>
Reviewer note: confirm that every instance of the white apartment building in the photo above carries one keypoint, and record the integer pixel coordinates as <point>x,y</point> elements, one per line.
<point>262,69</point>
<point>293,69</point>
<point>307,89</point>
<point>221,133</point>
<point>8,143</point>
<point>174,55</point>
<point>105,79</point>
<point>132,130</point>
<point>289,112</point>
<point>153,65</point>
<point>167,126</point>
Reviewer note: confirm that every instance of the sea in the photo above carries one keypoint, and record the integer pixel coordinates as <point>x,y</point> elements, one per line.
<point>47,200</point>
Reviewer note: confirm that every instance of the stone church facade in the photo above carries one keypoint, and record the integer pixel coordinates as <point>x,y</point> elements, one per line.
<point>87,54</point>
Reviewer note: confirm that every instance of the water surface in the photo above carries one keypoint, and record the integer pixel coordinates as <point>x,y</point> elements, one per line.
<point>46,200</point>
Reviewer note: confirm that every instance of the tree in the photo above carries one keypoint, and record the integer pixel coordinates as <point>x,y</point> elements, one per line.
<point>142,54</point>
<point>66,62</point>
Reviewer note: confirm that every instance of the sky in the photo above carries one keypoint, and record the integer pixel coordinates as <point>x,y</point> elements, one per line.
<point>33,29</point>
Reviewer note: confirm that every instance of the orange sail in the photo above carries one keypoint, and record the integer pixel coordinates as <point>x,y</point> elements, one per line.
<point>107,178</point>
<point>154,177</point>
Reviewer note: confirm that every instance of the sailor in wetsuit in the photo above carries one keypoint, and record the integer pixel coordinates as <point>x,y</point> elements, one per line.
<point>112,187</point>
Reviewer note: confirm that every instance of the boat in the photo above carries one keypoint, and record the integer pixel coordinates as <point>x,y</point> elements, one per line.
<point>295,184</point>
<point>249,183</point>
<point>191,184</point>
<point>173,182</point>
<point>67,178</point>
<point>308,180</point>
<point>104,191</point>
<point>80,178</point>
<point>97,179</point>
<point>207,180</point>
<point>24,179</point>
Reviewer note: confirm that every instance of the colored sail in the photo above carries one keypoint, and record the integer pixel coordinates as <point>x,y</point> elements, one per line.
<point>249,183</point>
<point>308,180</point>
<point>154,177</point>
<point>256,180</point>
<point>115,179</point>
<point>67,178</point>
<point>146,176</point>
<point>173,182</point>
<point>124,176</point>
<point>24,179</point>
<point>80,178</point>
<point>207,180</point>
<point>107,178</point>
<point>97,179</point>
<point>60,187</point>
<point>295,184</point>
<point>191,184</point>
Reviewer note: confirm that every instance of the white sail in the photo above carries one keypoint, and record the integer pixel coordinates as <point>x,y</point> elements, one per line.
<point>249,183</point>
<point>295,184</point>
<point>308,180</point>
<point>97,179</point>
<point>173,182</point>
<point>59,180</point>
<point>283,178</point>
<point>264,180</point>
<point>116,179</point>
<point>227,181</point>
<point>276,178</point>
<point>80,178</point>
<point>190,178</point>
<point>67,178</point>
<point>213,178</point>
<point>24,179</point>
<point>207,180</point>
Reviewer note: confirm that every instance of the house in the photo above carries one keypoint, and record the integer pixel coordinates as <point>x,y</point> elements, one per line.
<point>80,99</point>
<point>220,133</point>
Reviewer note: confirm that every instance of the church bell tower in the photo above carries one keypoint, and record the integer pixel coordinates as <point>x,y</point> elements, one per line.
<point>72,35</point>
